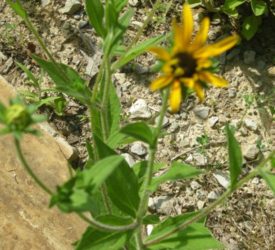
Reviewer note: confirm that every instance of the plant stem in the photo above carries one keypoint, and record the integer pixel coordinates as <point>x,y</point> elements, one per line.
<point>107,228</point>
<point>150,166</point>
<point>28,168</point>
<point>204,212</point>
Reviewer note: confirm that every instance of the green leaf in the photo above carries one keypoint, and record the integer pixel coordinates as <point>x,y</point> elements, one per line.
<point>29,74</point>
<point>250,26</point>
<point>151,219</point>
<point>94,176</point>
<point>269,179</point>
<point>66,80</point>
<point>177,171</point>
<point>235,156</point>
<point>139,130</point>
<point>122,185</point>
<point>114,110</point>
<point>119,4</point>
<point>233,4</point>
<point>137,50</point>
<point>18,8</point>
<point>93,239</point>
<point>194,3</point>
<point>116,139</point>
<point>95,12</point>
<point>259,7</point>
<point>194,237</point>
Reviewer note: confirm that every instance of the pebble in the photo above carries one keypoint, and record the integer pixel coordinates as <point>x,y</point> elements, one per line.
<point>130,160</point>
<point>45,2</point>
<point>71,7</point>
<point>200,204</point>
<point>149,229</point>
<point>222,178</point>
<point>202,112</point>
<point>271,71</point>
<point>249,56</point>
<point>133,3</point>
<point>162,204</point>
<point>138,148</point>
<point>212,196</point>
<point>232,92</point>
<point>200,159</point>
<point>7,66</point>
<point>251,153</point>
<point>165,122</point>
<point>250,124</point>
<point>212,121</point>
<point>195,185</point>
<point>140,110</point>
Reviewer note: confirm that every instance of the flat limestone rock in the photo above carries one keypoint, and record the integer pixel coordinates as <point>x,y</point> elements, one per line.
<point>26,222</point>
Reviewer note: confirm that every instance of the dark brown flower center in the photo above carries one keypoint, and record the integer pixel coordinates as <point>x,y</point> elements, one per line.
<point>187,63</point>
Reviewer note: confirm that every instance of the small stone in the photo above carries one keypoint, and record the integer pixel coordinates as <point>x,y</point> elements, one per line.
<point>271,71</point>
<point>255,180</point>
<point>173,127</point>
<point>82,24</point>
<point>133,3</point>
<point>250,124</point>
<point>71,7</point>
<point>200,204</point>
<point>162,204</point>
<point>251,153</point>
<point>202,112</point>
<point>149,229</point>
<point>212,196</point>
<point>45,2</point>
<point>223,179</point>
<point>140,110</point>
<point>213,121</point>
<point>200,159</point>
<point>201,194</point>
<point>249,56</point>
<point>130,160</point>
<point>138,148</point>
<point>165,122</point>
<point>7,66</point>
<point>195,185</point>
<point>232,92</point>
<point>189,159</point>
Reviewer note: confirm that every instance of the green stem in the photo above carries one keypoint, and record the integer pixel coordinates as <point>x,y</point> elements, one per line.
<point>204,212</point>
<point>28,168</point>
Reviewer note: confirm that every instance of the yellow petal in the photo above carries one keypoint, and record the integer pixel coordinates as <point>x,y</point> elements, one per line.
<point>188,82</point>
<point>167,67</point>
<point>203,63</point>
<point>213,79</point>
<point>160,82</point>
<point>202,34</point>
<point>161,53</point>
<point>199,91</point>
<point>178,45</point>
<point>217,48</point>
<point>175,97</point>
<point>187,24</point>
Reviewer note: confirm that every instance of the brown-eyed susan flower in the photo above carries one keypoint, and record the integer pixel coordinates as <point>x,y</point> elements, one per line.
<point>187,65</point>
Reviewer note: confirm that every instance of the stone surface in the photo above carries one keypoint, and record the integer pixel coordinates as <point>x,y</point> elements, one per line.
<point>222,178</point>
<point>138,148</point>
<point>71,7</point>
<point>26,221</point>
<point>250,124</point>
<point>140,109</point>
<point>130,160</point>
<point>251,152</point>
<point>213,121</point>
<point>202,112</point>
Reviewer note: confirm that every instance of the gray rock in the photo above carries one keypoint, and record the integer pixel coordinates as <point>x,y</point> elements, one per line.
<point>165,122</point>
<point>201,112</point>
<point>200,204</point>
<point>251,153</point>
<point>140,110</point>
<point>212,196</point>
<point>130,160</point>
<point>133,3</point>
<point>71,7</point>
<point>232,92</point>
<point>138,148</point>
<point>250,124</point>
<point>249,56</point>
<point>162,204</point>
<point>222,178</point>
<point>195,185</point>
<point>213,121</point>
<point>200,160</point>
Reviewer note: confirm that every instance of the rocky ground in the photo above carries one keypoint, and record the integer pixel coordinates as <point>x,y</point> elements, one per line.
<point>195,135</point>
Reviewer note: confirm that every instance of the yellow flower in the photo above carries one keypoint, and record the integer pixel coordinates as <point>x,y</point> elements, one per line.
<point>187,66</point>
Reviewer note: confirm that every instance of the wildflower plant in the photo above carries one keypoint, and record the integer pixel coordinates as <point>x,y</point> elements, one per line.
<point>108,194</point>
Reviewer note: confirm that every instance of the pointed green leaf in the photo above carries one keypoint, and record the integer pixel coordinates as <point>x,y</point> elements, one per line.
<point>29,74</point>
<point>194,237</point>
<point>18,8</point>
<point>250,26</point>
<point>66,80</point>
<point>139,130</point>
<point>95,12</point>
<point>177,171</point>
<point>235,156</point>
<point>233,4</point>
<point>269,179</point>
<point>259,7</point>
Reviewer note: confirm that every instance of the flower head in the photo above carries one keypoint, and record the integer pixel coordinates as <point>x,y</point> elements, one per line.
<point>187,65</point>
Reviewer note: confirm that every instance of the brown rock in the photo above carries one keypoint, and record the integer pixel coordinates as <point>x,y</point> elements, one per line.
<point>26,221</point>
